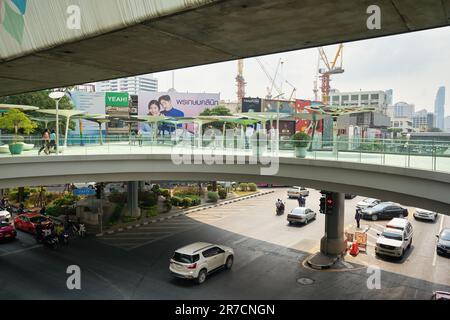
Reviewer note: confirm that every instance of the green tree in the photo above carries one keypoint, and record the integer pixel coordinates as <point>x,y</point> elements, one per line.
<point>41,100</point>
<point>218,111</point>
<point>15,119</point>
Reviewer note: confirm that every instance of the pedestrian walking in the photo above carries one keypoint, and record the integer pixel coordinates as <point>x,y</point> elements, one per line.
<point>358,217</point>
<point>45,142</point>
<point>52,145</point>
<point>139,136</point>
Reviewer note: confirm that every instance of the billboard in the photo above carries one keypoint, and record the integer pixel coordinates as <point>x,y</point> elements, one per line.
<point>284,105</point>
<point>174,104</point>
<point>306,125</point>
<point>92,103</point>
<point>251,105</point>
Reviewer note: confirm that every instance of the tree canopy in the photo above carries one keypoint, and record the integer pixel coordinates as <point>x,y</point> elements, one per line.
<point>15,119</point>
<point>218,111</point>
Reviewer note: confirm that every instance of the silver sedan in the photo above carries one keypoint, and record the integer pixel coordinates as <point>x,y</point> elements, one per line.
<point>301,214</point>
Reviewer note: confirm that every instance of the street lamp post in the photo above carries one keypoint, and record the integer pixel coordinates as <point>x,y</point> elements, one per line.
<point>57,96</point>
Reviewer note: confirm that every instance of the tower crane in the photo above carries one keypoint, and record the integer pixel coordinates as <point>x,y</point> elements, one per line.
<point>240,81</point>
<point>271,79</point>
<point>330,68</point>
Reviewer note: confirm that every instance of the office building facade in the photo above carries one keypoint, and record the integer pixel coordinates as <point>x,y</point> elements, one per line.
<point>132,85</point>
<point>439,107</point>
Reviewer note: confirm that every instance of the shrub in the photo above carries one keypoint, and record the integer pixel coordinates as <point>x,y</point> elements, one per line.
<point>155,188</point>
<point>184,191</point>
<point>148,199</point>
<point>165,193</point>
<point>252,186</point>
<point>118,197</point>
<point>116,214</point>
<point>301,139</point>
<point>222,193</point>
<point>167,205</point>
<point>196,200</point>
<point>176,201</point>
<point>152,212</point>
<point>243,186</point>
<point>209,187</point>
<point>67,200</point>
<point>55,211</point>
<point>213,196</point>
<point>187,202</point>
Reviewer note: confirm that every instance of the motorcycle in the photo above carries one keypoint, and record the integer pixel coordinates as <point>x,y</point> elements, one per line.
<point>50,240</point>
<point>280,209</point>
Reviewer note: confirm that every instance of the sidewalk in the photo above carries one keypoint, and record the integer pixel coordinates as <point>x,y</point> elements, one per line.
<point>173,213</point>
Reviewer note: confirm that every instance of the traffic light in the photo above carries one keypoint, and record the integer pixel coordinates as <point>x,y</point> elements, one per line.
<point>329,203</point>
<point>323,207</point>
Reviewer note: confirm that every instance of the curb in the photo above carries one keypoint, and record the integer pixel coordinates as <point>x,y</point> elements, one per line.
<point>183,213</point>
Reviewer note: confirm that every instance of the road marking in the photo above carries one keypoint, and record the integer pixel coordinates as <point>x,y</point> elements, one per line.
<point>372,236</point>
<point>440,228</point>
<point>21,250</point>
<point>240,240</point>
<point>380,226</point>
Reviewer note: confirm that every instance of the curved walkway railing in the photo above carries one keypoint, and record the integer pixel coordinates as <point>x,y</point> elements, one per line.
<point>425,155</point>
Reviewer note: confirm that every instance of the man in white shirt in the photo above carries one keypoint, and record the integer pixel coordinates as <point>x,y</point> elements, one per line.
<point>248,135</point>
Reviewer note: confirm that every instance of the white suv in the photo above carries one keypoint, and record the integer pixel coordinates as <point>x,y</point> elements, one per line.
<point>395,239</point>
<point>197,260</point>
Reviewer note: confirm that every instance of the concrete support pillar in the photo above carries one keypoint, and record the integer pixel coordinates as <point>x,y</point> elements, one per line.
<point>332,244</point>
<point>132,198</point>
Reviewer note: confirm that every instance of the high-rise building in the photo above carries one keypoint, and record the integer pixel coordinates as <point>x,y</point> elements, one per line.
<point>447,123</point>
<point>375,99</point>
<point>403,110</point>
<point>439,110</point>
<point>132,85</point>
<point>389,97</point>
<point>423,120</point>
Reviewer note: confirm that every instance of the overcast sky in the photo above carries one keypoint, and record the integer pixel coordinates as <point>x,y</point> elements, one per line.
<point>414,65</point>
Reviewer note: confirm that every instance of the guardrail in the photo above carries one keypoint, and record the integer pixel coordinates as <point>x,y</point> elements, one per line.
<point>420,154</point>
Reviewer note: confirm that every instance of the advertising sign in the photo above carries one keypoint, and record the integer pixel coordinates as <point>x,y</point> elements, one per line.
<point>251,105</point>
<point>92,103</point>
<point>306,125</point>
<point>284,105</point>
<point>116,99</point>
<point>83,192</point>
<point>174,104</point>
<point>361,239</point>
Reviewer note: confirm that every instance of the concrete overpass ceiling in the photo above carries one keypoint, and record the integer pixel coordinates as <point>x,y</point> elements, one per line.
<point>219,31</point>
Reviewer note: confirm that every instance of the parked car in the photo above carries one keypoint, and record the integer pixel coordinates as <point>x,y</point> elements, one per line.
<point>367,203</point>
<point>394,242</point>
<point>301,214</point>
<point>197,260</point>
<point>350,196</point>
<point>80,185</point>
<point>384,210</point>
<point>27,222</point>
<point>5,215</point>
<point>443,243</point>
<point>7,231</point>
<point>295,192</point>
<point>440,295</point>
<point>422,214</point>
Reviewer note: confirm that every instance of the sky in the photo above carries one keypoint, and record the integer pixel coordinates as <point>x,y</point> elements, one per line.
<point>414,65</point>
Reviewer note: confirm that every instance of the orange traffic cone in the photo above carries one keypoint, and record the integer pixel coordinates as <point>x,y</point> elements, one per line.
<point>355,249</point>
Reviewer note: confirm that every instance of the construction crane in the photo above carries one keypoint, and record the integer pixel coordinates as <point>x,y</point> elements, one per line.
<point>240,81</point>
<point>271,79</point>
<point>330,68</point>
<point>315,90</point>
<point>294,89</point>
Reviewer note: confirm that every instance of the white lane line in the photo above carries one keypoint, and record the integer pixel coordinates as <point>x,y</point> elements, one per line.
<point>440,228</point>
<point>372,236</point>
<point>380,226</point>
<point>21,250</point>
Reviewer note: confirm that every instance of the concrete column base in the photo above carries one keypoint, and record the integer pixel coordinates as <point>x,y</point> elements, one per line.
<point>332,247</point>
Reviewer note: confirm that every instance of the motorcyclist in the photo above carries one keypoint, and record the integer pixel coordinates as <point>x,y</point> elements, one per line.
<point>39,232</point>
<point>279,205</point>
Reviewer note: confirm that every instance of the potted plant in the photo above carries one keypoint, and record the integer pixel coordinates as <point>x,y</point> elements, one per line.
<point>15,119</point>
<point>301,141</point>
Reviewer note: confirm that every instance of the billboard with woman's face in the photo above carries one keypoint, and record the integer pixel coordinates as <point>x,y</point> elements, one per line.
<point>174,104</point>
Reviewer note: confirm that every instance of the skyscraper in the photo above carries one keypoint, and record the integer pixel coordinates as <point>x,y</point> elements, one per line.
<point>439,107</point>
<point>132,85</point>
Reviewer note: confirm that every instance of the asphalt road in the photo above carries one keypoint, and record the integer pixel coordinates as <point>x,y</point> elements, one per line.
<point>269,254</point>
